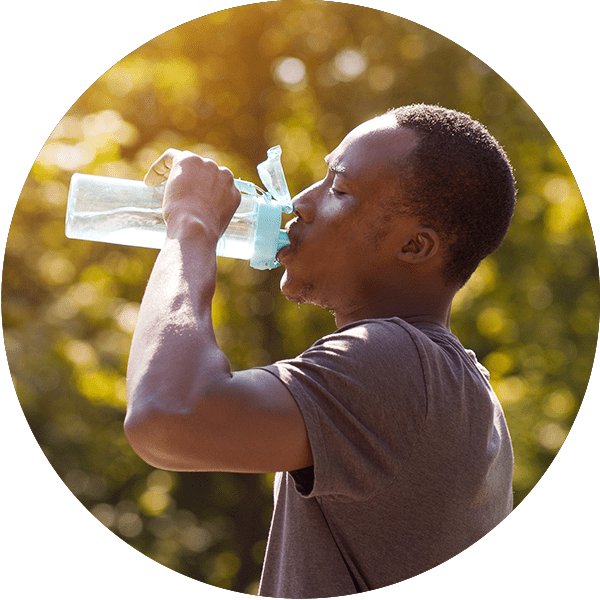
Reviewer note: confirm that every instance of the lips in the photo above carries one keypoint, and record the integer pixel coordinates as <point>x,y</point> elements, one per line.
<point>292,229</point>
<point>283,252</point>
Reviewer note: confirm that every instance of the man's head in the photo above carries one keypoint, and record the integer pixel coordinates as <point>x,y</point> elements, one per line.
<point>342,252</point>
<point>459,182</point>
<point>411,203</point>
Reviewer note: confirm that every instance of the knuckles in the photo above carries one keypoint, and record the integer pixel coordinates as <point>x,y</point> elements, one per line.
<point>189,160</point>
<point>190,171</point>
<point>205,167</point>
<point>227,175</point>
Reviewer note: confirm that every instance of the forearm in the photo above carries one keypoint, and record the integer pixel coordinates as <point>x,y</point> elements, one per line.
<point>174,355</point>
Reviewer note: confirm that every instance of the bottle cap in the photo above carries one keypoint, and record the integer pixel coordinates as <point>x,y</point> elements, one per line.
<point>271,174</point>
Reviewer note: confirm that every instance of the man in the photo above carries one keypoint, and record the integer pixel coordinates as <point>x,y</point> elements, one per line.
<point>391,448</point>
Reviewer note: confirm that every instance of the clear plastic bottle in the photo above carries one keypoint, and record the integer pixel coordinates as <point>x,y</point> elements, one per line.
<point>127,212</point>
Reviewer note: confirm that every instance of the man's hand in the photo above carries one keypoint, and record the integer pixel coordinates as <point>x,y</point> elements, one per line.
<point>198,194</point>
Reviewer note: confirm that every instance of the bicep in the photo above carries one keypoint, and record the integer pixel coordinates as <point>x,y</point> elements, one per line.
<point>246,422</point>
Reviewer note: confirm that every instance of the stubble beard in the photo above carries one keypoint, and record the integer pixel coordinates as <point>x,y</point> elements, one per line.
<point>301,294</point>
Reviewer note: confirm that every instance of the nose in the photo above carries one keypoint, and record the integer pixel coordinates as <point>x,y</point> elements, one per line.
<point>304,204</point>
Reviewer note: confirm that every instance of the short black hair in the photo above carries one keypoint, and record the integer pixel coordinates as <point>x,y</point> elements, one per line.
<point>458,181</point>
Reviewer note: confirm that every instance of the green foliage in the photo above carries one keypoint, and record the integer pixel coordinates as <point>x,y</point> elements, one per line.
<point>229,85</point>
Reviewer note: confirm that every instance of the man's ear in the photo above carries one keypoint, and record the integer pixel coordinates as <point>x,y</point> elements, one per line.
<point>421,246</point>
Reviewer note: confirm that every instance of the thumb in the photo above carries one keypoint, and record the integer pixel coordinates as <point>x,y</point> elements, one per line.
<point>160,169</point>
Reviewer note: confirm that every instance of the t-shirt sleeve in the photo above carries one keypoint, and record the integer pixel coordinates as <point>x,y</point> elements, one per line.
<point>363,397</point>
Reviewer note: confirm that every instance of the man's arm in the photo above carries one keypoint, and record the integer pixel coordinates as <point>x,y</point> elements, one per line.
<point>186,410</point>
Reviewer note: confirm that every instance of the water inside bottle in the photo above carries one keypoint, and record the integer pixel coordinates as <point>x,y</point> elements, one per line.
<point>129,226</point>
<point>146,228</point>
<point>237,241</point>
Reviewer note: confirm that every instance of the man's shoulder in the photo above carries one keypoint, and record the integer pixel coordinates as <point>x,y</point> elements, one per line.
<point>396,342</point>
<point>369,335</point>
<point>372,349</point>
<point>393,331</point>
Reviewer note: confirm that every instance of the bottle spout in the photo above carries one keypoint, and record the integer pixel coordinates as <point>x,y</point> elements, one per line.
<point>283,239</point>
<point>271,174</point>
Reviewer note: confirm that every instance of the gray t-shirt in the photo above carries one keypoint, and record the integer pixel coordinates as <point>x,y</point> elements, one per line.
<point>412,460</point>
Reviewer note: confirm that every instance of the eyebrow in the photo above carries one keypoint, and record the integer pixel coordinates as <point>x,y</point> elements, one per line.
<point>335,167</point>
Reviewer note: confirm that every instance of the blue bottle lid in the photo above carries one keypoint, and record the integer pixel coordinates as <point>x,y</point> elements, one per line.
<point>268,235</point>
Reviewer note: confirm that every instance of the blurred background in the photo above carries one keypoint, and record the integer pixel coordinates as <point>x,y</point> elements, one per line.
<point>230,85</point>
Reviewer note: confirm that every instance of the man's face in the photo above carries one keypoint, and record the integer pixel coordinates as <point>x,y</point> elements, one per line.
<point>340,255</point>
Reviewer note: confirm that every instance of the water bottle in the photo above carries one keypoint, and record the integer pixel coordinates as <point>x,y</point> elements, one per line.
<point>128,212</point>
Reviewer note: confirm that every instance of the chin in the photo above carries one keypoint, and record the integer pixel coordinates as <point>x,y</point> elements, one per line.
<point>285,285</point>
<point>297,290</point>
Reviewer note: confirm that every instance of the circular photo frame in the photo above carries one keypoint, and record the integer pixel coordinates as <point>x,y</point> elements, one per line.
<point>228,84</point>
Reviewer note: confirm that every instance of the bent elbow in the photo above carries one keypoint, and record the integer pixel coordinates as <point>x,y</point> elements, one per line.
<point>182,436</point>
<point>147,438</point>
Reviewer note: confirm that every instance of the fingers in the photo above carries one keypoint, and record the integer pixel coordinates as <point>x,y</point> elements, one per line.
<point>159,171</point>
<point>191,171</point>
